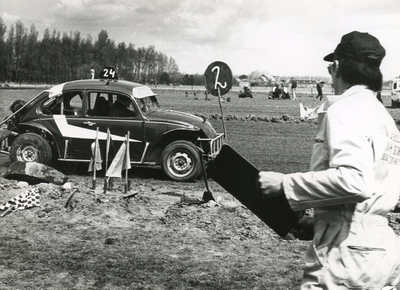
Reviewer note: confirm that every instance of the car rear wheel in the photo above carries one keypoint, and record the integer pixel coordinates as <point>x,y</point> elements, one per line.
<point>180,161</point>
<point>30,147</point>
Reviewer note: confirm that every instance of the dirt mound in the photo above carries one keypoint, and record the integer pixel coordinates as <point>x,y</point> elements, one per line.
<point>222,219</point>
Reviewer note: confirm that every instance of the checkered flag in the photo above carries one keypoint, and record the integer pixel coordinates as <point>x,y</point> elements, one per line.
<point>28,199</point>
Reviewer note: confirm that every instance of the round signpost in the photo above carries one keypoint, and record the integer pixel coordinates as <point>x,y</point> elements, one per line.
<point>218,81</point>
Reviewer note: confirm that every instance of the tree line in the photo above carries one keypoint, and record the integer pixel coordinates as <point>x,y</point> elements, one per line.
<point>58,58</point>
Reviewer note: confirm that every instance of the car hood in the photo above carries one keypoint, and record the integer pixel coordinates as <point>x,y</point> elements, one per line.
<point>182,119</point>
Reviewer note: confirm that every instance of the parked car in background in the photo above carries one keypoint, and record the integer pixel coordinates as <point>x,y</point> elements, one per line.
<point>395,93</point>
<point>61,123</point>
<point>246,94</point>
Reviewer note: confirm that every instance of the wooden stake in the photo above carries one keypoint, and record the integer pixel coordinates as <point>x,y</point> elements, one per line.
<point>127,161</point>
<point>95,159</point>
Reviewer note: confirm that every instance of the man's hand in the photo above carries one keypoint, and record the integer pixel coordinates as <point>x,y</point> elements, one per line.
<point>269,183</point>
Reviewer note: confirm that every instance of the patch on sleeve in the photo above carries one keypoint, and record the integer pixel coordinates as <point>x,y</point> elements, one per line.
<point>392,152</point>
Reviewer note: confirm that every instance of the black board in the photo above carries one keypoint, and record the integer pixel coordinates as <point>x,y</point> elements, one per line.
<point>238,176</point>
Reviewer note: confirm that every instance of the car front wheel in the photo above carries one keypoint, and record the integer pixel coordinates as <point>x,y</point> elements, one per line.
<point>180,161</point>
<point>30,147</point>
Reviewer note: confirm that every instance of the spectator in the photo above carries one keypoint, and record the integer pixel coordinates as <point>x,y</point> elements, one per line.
<point>293,86</point>
<point>320,84</point>
<point>354,177</point>
<point>278,92</point>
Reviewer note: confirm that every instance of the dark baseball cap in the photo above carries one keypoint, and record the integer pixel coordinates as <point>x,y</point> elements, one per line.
<point>359,46</point>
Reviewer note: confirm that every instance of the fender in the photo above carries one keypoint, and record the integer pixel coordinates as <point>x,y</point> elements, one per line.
<point>38,128</point>
<point>154,152</point>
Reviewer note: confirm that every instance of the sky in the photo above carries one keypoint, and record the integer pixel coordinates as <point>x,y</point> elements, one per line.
<point>278,37</point>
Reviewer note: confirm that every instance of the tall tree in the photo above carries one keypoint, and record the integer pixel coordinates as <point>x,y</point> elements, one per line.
<point>164,78</point>
<point>131,57</point>
<point>87,56</point>
<point>76,59</point>
<point>105,51</point>
<point>4,60</point>
<point>57,58</point>
<point>150,64</point>
<point>29,62</point>
<point>173,69</point>
<point>44,61</point>
<point>67,59</point>
<point>19,48</point>
<point>162,62</point>
<point>55,55</point>
<point>122,59</point>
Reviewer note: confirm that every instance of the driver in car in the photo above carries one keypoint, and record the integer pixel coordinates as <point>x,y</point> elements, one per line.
<point>121,108</point>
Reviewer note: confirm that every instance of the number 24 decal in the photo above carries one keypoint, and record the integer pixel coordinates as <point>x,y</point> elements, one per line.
<point>109,72</point>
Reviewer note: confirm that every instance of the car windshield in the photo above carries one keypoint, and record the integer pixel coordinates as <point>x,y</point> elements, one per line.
<point>148,104</point>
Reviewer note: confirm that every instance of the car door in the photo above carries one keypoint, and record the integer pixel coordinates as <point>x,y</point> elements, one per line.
<point>101,113</point>
<point>60,114</point>
<point>76,117</point>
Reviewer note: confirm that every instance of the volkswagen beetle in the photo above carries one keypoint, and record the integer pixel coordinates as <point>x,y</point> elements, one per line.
<point>61,123</point>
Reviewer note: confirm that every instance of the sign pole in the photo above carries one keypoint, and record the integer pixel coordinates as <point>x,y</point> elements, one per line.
<point>222,115</point>
<point>218,81</point>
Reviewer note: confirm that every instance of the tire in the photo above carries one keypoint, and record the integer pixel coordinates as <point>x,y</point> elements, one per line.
<point>180,161</point>
<point>31,147</point>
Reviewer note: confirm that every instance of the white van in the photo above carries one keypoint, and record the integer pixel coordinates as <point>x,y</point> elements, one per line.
<point>395,95</point>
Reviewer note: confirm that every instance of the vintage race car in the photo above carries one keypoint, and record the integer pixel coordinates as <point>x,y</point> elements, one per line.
<point>61,123</point>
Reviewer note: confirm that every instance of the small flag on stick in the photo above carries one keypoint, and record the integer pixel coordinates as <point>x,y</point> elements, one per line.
<point>127,162</point>
<point>108,144</point>
<point>95,159</point>
<point>121,161</point>
<point>310,113</point>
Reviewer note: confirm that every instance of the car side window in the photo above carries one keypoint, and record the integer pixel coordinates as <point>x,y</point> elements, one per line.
<point>52,106</point>
<point>99,104</point>
<point>122,107</point>
<point>69,103</point>
<point>73,103</point>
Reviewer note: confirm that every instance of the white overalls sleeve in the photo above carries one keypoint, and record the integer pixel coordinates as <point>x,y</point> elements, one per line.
<point>349,159</point>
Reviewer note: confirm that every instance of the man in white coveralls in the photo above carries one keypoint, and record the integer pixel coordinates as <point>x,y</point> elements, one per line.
<point>354,177</point>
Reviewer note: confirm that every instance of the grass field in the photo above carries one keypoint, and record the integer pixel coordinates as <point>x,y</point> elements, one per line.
<point>161,238</point>
<point>272,145</point>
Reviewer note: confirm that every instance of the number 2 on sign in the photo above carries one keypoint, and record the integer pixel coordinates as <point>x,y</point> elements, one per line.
<point>216,78</point>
